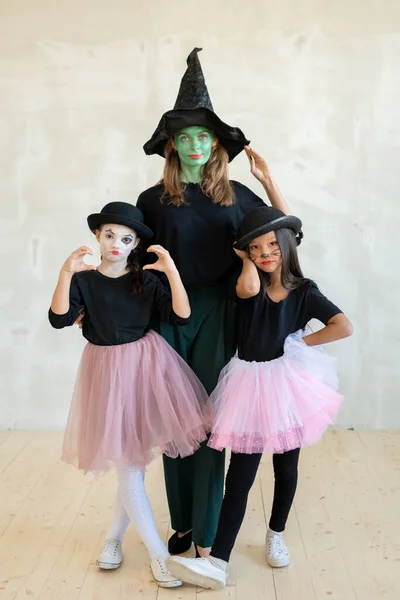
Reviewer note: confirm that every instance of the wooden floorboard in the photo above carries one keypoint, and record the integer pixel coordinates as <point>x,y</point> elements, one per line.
<point>343,532</point>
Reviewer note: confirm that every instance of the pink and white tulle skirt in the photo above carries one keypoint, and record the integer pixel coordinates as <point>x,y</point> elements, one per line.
<point>133,402</point>
<point>278,405</point>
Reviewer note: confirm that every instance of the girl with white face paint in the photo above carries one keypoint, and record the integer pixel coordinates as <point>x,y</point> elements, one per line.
<point>134,397</point>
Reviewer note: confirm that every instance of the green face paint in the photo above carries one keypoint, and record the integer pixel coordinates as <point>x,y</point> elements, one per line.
<point>194,146</point>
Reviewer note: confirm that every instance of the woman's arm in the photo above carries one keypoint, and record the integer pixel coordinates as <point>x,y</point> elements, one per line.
<point>260,170</point>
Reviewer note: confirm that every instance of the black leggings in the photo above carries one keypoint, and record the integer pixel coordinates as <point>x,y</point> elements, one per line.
<point>239,480</point>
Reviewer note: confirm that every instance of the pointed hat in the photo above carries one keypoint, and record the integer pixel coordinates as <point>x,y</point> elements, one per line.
<point>193,107</point>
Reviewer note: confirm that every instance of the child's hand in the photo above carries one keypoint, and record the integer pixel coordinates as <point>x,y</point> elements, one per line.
<point>165,264</point>
<point>241,253</point>
<point>75,264</point>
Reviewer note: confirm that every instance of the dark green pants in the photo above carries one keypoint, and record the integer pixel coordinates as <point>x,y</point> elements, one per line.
<point>195,484</point>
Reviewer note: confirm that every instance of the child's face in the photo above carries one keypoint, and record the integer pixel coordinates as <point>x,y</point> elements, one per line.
<point>116,242</point>
<point>265,253</point>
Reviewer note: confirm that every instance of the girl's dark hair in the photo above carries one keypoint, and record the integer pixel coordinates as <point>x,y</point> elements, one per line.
<point>133,264</point>
<point>291,275</point>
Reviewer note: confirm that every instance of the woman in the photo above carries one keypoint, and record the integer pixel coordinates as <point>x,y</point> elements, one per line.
<point>194,212</point>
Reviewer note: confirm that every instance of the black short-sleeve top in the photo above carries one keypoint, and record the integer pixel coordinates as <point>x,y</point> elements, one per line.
<point>199,235</point>
<point>113,315</point>
<point>263,325</point>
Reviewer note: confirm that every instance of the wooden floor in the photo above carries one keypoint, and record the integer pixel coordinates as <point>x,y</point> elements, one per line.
<point>343,533</point>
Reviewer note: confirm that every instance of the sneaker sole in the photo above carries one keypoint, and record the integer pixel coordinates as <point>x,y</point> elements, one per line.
<point>278,565</point>
<point>168,584</point>
<point>108,566</point>
<point>188,576</point>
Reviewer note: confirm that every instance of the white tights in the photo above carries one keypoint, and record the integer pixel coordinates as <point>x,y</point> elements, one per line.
<point>132,505</point>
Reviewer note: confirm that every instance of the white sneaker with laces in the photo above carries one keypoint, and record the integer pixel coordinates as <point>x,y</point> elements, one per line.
<point>277,553</point>
<point>197,571</point>
<point>161,574</point>
<point>111,555</point>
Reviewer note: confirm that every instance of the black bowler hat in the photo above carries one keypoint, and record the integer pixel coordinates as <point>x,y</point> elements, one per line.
<point>121,213</point>
<point>263,220</point>
<point>193,107</point>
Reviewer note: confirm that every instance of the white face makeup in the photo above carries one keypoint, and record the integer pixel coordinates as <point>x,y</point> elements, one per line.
<point>116,242</point>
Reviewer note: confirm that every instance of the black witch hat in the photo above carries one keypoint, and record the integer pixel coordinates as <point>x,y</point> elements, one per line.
<point>193,107</point>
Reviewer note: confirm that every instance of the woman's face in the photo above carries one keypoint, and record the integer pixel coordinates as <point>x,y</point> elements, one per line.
<point>265,253</point>
<point>194,145</point>
<point>116,242</point>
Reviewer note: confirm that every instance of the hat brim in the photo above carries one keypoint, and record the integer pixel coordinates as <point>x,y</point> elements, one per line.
<point>287,222</point>
<point>231,138</point>
<point>95,220</point>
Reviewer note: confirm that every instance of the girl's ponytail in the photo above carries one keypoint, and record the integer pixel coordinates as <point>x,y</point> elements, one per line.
<point>133,264</point>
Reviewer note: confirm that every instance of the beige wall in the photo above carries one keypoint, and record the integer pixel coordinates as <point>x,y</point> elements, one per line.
<point>314,84</point>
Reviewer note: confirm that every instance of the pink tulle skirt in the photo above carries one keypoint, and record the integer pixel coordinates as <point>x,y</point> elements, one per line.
<point>133,402</point>
<point>278,405</point>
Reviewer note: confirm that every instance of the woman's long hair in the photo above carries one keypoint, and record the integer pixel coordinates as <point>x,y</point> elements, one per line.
<point>214,180</point>
<point>291,274</point>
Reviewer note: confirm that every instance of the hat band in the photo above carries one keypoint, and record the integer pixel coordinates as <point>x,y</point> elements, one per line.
<point>270,224</point>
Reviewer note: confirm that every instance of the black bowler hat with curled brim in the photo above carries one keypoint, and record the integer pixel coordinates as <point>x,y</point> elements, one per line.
<point>263,220</point>
<point>193,107</point>
<point>120,213</point>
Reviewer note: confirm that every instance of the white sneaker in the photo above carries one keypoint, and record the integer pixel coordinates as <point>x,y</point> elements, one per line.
<point>111,555</point>
<point>197,571</point>
<point>161,574</point>
<point>277,553</point>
